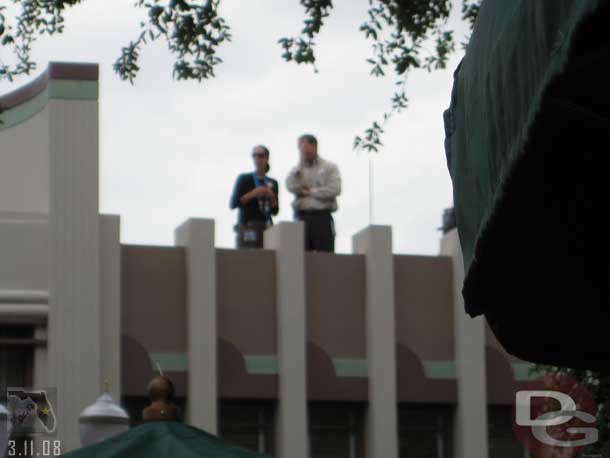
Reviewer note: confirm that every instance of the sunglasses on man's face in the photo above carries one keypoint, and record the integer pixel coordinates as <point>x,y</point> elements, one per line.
<point>259,155</point>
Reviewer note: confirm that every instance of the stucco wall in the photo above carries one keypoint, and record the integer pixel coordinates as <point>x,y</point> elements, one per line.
<point>24,165</point>
<point>335,293</point>
<point>424,306</point>
<point>154,297</point>
<point>24,244</point>
<point>246,291</point>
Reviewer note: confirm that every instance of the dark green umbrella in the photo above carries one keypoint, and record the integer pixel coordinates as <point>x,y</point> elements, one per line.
<point>527,140</point>
<point>162,439</point>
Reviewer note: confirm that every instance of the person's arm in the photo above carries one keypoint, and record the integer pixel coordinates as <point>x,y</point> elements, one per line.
<point>276,199</point>
<point>247,197</point>
<point>330,189</point>
<point>238,192</point>
<point>293,181</point>
<point>240,196</point>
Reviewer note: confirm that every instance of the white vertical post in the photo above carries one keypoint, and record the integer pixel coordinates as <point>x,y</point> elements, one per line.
<point>375,243</point>
<point>470,425</point>
<point>40,357</point>
<point>110,234</point>
<point>197,236</point>
<point>40,371</point>
<point>74,274</point>
<point>287,239</point>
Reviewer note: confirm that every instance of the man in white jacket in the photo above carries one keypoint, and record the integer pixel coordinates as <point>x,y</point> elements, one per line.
<point>315,183</point>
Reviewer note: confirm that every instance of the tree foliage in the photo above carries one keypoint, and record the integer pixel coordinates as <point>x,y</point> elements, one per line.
<point>405,35</point>
<point>193,32</point>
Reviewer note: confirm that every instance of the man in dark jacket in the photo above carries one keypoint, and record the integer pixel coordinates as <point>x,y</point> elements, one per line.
<point>256,196</point>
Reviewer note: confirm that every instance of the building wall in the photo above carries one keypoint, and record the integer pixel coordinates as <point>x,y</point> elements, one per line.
<point>153,316</point>
<point>335,290</point>
<point>424,329</point>
<point>51,266</point>
<point>24,174</point>
<point>24,244</point>
<point>246,298</point>
<point>154,282</point>
<point>154,286</point>
<point>424,308</point>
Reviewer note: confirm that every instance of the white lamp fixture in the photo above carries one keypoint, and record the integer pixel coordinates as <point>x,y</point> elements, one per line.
<point>102,420</point>
<point>4,430</point>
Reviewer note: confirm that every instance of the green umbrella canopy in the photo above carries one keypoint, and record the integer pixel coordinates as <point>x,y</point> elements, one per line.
<point>527,139</point>
<point>162,439</point>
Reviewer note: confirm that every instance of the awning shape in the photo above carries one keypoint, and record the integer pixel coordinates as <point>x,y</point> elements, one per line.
<point>163,440</point>
<point>528,150</point>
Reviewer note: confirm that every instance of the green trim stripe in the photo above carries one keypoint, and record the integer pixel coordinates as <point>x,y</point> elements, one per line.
<point>73,90</point>
<point>346,367</point>
<point>268,365</point>
<point>524,372</point>
<point>440,370</point>
<point>57,90</point>
<point>170,362</point>
<point>25,111</point>
<point>261,365</point>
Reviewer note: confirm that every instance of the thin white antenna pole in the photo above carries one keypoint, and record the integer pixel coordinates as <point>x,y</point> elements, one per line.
<point>159,368</point>
<point>370,189</point>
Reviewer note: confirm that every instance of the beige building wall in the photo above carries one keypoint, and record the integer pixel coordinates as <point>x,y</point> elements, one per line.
<point>247,301</point>
<point>424,308</point>
<point>51,235</point>
<point>24,285</point>
<point>75,357</point>
<point>24,244</point>
<point>24,174</point>
<point>110,338</point>
<point>336,315</point>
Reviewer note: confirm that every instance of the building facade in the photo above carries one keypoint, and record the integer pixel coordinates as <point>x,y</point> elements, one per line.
<point>286,352</point>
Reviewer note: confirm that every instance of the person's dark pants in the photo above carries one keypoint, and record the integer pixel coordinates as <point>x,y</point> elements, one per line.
<point>319,230</point>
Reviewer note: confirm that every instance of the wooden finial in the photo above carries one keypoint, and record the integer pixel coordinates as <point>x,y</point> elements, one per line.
<point>161,393</point>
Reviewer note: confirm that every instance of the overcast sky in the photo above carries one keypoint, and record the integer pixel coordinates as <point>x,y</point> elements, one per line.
<point>172,150</point>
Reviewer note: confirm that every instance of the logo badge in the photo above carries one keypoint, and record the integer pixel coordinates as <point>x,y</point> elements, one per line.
<point>31,410</point>
<point>555,416</point>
